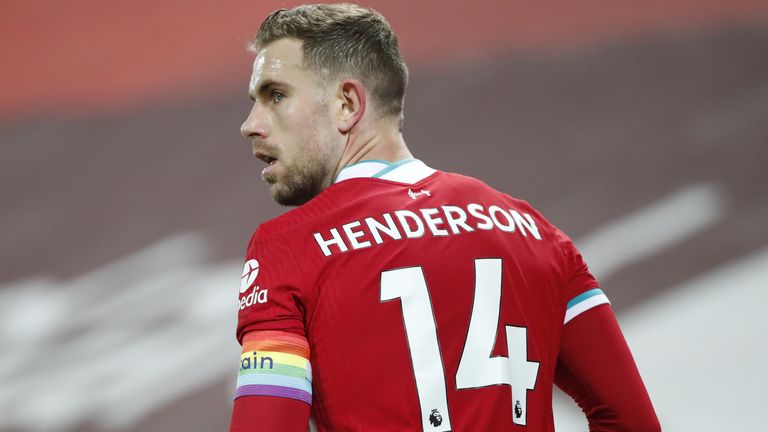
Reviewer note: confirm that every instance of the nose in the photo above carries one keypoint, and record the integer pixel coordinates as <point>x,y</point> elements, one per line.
<point>255,126</point>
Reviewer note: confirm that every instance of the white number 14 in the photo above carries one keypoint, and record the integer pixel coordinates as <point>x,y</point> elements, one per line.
<point>477,368</point>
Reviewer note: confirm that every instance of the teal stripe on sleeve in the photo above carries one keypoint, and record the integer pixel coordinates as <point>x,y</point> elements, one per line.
<point>584,296</point>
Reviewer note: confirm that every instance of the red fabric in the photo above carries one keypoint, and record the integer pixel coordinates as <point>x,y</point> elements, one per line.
<point>596,369</point>
<point>267,413</point>
<point>363,372</point>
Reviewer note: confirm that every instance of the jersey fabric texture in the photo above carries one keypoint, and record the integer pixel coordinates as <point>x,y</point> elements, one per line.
<point>429,300</point>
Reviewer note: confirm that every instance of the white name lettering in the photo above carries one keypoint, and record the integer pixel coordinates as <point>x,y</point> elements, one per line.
<point>433,222</point>
<point>460,219</point>
<point>354,235</point>
<point>402,215</point>
<point>445,221</point>
<point>335,240</point>
<point>377,228</point>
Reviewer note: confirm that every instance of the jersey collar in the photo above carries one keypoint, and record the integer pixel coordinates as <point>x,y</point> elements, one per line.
<point>407,171</point>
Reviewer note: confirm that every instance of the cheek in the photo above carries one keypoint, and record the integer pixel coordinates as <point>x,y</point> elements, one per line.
<point>325,124</point>
<point>289,129</point>
<point>304,121</point>
<point>307,131</point>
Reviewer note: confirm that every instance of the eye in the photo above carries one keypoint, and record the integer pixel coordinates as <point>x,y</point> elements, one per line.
<point>277,96</point>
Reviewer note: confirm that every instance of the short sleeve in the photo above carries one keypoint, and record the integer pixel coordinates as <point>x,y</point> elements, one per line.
<point>272,288</point>
<point>581,290</point>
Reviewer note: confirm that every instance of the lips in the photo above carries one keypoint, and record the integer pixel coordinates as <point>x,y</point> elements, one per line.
<point>269,159</point>
<point>266,157</point>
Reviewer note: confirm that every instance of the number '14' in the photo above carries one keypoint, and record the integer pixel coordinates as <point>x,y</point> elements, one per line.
<point>477,368</point>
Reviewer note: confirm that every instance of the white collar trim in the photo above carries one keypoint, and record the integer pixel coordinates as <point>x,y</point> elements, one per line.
<point>408,171</point>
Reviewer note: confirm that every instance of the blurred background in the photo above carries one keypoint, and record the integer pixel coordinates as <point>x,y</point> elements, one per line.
<point>127,196</point>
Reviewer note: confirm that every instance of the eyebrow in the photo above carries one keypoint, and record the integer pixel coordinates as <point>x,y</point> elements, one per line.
<point>267,85</point>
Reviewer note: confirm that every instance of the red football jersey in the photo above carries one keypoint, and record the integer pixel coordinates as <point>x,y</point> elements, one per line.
<point>429,300</point>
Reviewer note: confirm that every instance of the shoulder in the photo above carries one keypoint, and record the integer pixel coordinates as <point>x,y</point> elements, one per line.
<point>339,199</point>
<point>303,217</point>
<point>475,187</point>
<point>345,200</point>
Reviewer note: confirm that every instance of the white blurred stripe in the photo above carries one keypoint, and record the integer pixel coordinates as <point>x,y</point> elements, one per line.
<point>652,229</point>
<point>641,234</point>
<point>151,328</point>
<point>701,350</point>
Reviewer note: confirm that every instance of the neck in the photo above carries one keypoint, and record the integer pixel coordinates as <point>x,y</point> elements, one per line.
<point>385,144</point>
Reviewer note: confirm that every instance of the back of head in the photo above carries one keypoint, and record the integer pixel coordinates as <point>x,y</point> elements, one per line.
<point>344,41</point>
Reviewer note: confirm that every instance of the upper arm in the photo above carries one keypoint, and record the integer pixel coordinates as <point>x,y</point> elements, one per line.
<point>596,368</point>
<point>274,382</point>
<point>267,414</point>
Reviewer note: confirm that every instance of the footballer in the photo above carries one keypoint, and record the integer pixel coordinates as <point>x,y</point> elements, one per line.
<point>395,296</point>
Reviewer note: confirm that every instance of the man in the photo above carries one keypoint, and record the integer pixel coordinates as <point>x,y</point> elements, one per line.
<point>397,297</point>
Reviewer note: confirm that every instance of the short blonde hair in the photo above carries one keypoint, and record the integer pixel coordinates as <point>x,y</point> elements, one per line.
<point>344,40</point>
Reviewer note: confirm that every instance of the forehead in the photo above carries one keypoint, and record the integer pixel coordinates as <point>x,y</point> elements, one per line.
<point>281,60</point>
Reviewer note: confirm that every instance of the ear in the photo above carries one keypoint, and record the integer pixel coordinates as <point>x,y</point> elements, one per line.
<point>353,104</point>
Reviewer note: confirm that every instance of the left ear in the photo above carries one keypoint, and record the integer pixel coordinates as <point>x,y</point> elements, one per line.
<point>353,104</point>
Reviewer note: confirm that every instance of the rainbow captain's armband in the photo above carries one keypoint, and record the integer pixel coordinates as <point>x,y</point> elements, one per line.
<point>584,302</point>
<point>275,363</point>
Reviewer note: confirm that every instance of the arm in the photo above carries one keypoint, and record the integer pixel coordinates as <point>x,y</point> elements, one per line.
<point>274,381</point>
<point>596,368</point>
<point>274,387</point>
<point>269,413</point>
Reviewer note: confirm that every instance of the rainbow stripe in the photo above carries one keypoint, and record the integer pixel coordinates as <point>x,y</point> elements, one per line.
<point>275,363</point>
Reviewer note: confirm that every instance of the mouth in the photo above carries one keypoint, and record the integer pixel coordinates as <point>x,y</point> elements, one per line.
<point>267,173</point>
<point>270,160</point>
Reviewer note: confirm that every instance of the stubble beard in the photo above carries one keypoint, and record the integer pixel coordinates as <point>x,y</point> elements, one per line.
<point>300,185</point>
<point>306,177</point>
<point>311,172</point>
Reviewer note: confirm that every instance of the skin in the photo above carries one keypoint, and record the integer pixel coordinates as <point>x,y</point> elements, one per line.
<point>307,128</point>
